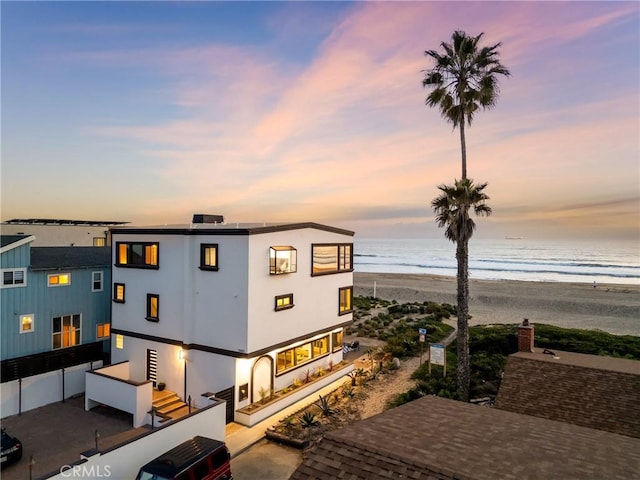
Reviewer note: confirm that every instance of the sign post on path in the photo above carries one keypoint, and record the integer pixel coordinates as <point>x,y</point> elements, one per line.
<point>438,356</point>
<point>423,336</point>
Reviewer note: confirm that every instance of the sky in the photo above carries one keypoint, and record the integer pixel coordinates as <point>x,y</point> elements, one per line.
<point>149,112</point>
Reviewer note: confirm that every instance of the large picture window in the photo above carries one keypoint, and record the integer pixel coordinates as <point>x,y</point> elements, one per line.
<point>209,256</point>
<point>346,300</point>
<point>297,356</point>
<point>66,331</point>
<point>283,260</point>
<point>331,258</point>
<point>153,307</point>
<point>137,254</point>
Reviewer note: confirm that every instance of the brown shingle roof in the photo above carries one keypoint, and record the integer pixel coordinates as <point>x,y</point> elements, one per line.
<point>587,390</point>
<point>436,438</point>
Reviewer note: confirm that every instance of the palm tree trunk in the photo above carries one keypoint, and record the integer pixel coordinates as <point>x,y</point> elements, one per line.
<point>463,368</point>
<point>463,148</point>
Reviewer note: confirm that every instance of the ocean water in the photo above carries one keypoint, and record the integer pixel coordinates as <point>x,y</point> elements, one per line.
<point>505,259</point>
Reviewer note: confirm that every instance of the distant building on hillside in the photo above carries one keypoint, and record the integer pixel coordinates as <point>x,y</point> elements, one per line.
<point>61,232</point>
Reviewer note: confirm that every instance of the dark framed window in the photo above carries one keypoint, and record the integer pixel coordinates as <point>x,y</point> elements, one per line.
<point>336,340</point>
<point>345,300</point>
<point>153,307</point>
<point>209,256</point>
<point>284,302</point>
<point>118,292</point>
<point>283,259</point>
<point>137,254</point>
<point>302,354</point>
<point>331,258</point>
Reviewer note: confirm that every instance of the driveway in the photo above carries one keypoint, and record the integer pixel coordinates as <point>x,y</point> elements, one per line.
<point>266,461</point>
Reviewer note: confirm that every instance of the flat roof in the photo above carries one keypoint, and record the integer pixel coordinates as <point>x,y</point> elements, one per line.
<point>227,229</point>
<point>434,437</point>
<point>53,221</point>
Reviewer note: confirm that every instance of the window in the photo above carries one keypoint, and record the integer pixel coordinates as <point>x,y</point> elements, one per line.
<point>66,331</point>
<point>297,356</point>
<point>118,292</point>
<point>103,330</point>
<point>336,340</point>
<point>209,256</point>
<point>284,302</point>
<point>96,282</point>
<point>282,260</point>
<point>27,323</point>
<point>59,280</point>
<point>137,255</point>
<point>15,277</point>
<point>119,341</point>
<point>99,241</point>
<point>153,307</point>
<point>346,300</point>
<point>332,258</point>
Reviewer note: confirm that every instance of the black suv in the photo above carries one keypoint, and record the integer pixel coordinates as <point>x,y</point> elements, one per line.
<point>11,449</point>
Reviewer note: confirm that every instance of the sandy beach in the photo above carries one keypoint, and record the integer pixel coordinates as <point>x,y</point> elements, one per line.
<point>609,307</point>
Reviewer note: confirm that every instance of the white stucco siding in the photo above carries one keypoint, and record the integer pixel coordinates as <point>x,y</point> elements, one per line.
<point>168,281</point>
<point>315,298</point>
<point>208,372</point>
<point>219,298</point>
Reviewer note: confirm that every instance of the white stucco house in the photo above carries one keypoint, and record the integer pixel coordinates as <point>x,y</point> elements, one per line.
<point>230,310</point>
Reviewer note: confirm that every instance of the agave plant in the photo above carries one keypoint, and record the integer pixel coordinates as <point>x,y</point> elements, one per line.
<point>308,420</point>
<point>324,406</point>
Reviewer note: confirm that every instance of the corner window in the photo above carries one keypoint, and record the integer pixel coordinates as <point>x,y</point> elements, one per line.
<point>283,302</point>
<point>119,341</point>
<point>15,277</point>
<point>103,330</point>
<point>27,323</point>
<point>331,258</point>
<point>118,292</point>
<point>209,256</point>
<point>66,331</point>
<point>59,280</point>
<point>96,282</point>
<point>345,300</point>
<point>137,254</point>
<point>153,307</point>
<point>283,260</point>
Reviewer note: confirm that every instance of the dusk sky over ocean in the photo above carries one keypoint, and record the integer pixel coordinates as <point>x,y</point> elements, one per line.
<point>149,112</point>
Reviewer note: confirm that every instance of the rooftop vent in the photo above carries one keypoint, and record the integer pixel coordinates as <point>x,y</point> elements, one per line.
<point>204,218</point>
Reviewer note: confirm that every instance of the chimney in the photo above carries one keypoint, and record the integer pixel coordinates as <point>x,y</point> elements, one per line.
<point>525,336</point>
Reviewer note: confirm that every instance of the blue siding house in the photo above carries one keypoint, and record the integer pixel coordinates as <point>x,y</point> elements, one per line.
<point>55,315</point>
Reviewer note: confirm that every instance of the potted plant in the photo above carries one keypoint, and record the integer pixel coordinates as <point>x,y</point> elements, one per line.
<point>161,386</point>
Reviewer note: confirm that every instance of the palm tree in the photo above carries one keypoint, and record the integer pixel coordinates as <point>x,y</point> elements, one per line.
<point>452,211</point>
<point>464,79</point>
